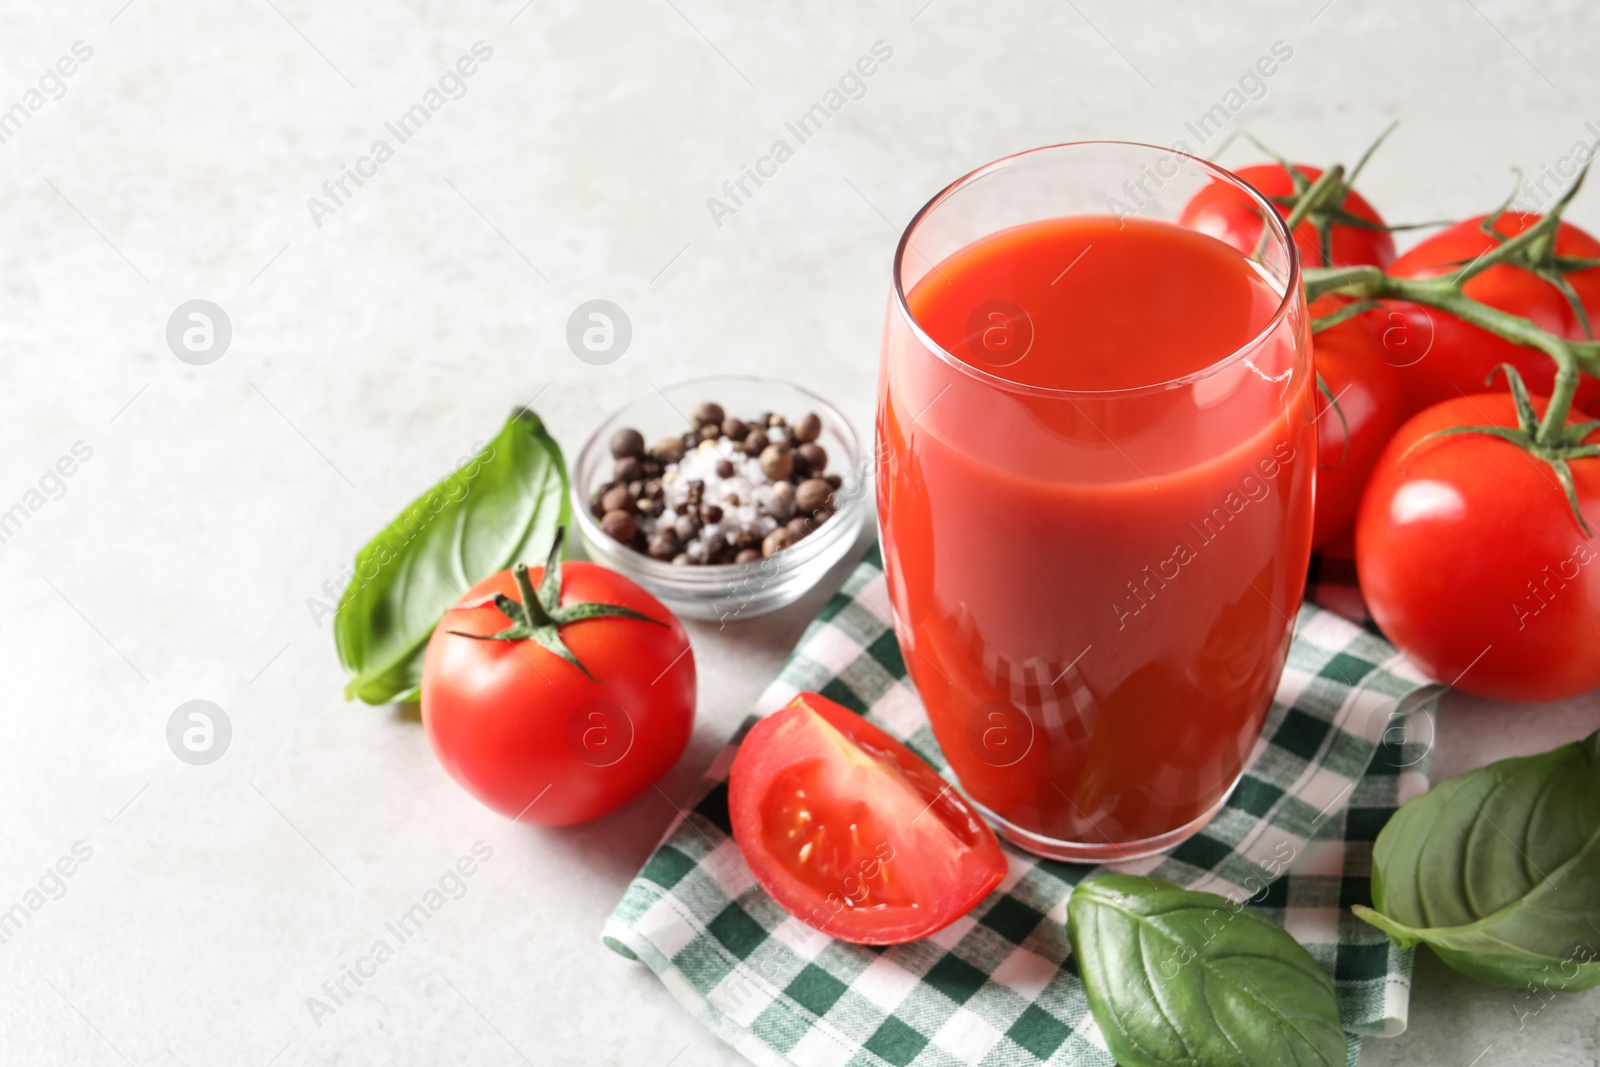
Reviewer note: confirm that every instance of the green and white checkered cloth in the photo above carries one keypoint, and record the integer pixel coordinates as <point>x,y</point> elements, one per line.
<point>1346,742</point>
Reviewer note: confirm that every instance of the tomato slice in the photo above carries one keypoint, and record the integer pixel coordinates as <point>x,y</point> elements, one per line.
<point>853,833</point>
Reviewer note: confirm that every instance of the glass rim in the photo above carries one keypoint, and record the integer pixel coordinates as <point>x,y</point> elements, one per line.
<point>1268,211</point>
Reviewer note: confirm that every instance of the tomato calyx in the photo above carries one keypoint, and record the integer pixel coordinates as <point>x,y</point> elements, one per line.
<point>1322,201</point>
<point>1534,250</point>
<point>1526,435</point>
<point>540,615</point>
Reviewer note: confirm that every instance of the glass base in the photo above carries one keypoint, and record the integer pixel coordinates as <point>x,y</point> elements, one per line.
<point>1109,852</point>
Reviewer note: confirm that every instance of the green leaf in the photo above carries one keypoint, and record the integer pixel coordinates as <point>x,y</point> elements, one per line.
<point>1498,870</point>
<point>503,505</point>
<point>1179,977</point>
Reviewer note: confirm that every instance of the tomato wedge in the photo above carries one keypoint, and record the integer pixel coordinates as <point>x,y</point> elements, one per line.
<point>853,833</point>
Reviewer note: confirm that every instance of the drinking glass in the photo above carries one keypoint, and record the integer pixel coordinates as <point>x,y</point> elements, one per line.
<point>1093,589</point>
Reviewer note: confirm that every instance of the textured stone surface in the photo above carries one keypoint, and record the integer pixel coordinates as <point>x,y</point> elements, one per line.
<point>371,351</point>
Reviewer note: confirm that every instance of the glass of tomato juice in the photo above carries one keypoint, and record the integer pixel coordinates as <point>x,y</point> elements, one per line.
<point>1094,484</point>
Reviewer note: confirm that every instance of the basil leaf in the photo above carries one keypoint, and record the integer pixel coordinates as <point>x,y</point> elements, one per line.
<point>1179,977</point>
<point>1498,870</point>
<point>503,506</point>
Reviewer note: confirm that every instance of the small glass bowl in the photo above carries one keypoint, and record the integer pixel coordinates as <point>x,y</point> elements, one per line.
<point>728,591</point>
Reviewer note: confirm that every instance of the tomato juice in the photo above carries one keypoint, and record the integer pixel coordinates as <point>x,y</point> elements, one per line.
<point>1095,505</point>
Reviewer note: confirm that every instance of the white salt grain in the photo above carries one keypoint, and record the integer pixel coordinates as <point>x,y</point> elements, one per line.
<point>747,498</point>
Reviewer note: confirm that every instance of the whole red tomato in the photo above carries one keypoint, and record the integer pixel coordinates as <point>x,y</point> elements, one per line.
<point>1472,562</point>
<point>852,832</point>
<point>1441,357</point>
<point>1352,430</point>
<point>1230,216</point>
<point>552,739</point>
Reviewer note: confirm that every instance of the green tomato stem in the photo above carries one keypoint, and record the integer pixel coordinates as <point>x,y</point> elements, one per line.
<point>1444,294</point>
<point>1329,186</point>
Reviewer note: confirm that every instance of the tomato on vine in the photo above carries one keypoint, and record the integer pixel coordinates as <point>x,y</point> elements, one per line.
<point>1556,287</point>
<point>1332,224</point>
<point>1347,232</point>
<point>1476,551</point>
<point>1358,410</point>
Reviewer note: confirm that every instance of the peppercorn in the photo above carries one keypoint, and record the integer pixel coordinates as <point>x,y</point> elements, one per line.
<point>777,461</point>
<point>734,429</point>
<point>800,525</point>
<point>617,498</point>
<point>747,555</point>
<point>834,480</point>
<point>627,442</point>
<point>812,495</point>
<point>619,526</point>
<point>667,450</point>
<point>808,427</point>
<point>724,469</point>
<point>628,469</point>
<point>709,414</point>
<point>816,456</point>
<point>664,544</point>
<point>710,513</point>
<point>755,441</point>
<point>777,541</point>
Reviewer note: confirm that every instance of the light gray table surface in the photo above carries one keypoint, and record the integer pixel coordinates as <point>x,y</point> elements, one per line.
<point>373,344</point>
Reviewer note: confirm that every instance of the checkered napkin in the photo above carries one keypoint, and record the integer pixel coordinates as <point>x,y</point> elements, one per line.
<point>1346,742</point>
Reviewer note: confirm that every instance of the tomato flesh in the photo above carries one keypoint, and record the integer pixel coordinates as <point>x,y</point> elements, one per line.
<point>818,840</point>
<point>851,832</point>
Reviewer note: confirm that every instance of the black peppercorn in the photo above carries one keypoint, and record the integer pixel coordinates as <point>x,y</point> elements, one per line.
<point>627,442</point>
<point>664,544</point>
<point>628,469</point>
<point>619,526</point>
<point>709,414</point>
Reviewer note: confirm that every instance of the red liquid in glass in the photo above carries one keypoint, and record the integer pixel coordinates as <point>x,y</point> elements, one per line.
<point>1094,582</point>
